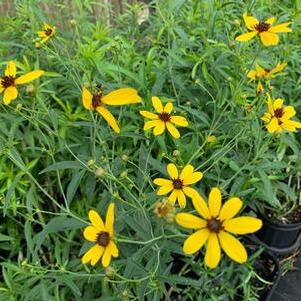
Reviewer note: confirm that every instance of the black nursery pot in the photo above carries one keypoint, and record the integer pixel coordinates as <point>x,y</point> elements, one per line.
<point>282,237</point>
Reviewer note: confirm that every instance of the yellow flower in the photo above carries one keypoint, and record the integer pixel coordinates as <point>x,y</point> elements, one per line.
<point>102,235</point>
<point>97,101</point>
<point>214,227</point>
<point>266,30</point>
<point>179,184</point>
<point>266,74</point>
<point>163,119</point>
<point>9,81</point>
<point>47,33</point>
<point>278,117</point>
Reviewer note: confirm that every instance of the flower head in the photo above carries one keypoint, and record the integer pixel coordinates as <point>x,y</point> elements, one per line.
<point>278,117</point>
<point>179,184</point>
<point>266,30</point>
<point>102,235</point>
<point>165,210</point>
<point>9,81</point>
<point>97,101</point>
<point>47,33</point>
<point>214,228</point>
<point>163,119</point>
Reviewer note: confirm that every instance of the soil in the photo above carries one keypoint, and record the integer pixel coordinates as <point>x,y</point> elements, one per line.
<point>293,217</point>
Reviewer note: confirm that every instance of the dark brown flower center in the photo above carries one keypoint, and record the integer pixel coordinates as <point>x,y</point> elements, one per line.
<point>262,26</point>
<point>177,183</point>
<point>103,239</point>
<point>214,225</point>
<point>165,117</point>
<point>278,112</point>
<point>48,32</point>
<point>96,100</point>
<point>7,81</point>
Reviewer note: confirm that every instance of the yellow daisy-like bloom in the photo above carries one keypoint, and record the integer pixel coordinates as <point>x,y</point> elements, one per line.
<point>9,81</point>
<point>102,235</point>
<point>278,117</point>
<point>266,30</point>
<point>163,119</point>
<point>47,33</point>
<point>179,184</point>
<point>97,101</point>
<point>215,226</point>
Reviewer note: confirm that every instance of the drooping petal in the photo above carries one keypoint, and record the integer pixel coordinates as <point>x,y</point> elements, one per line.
<point>215,201</point>
<point>10,69</point>
<point>91,233</point>
<point>172,171</point>
<point>107,115</point>
<point>96,220</point>
<point>194,178</point>
<point>246,36</point>
<point>250,21</point>
<point>172,130</point>
<point>269,38</point>
<point>273,126</point>
<point>160,128</point>
<point>190,221</point>
<point>109,225</point>
<point>230,208</point>
<point>168,107</point>
<point>10,94</point>
<point>148,115</point>
<point>288,112</point>
<point>233,247</point>
<point>123,96</point>
<point>157,104</point>
<point>198,202</point>
<point>181,199</point>
<point>106,258</point>
<point>179,121</point>
<point>242,225</point>
<point>94,253</point>
<point>28,77</point>
<point>195,241</point>
<point>213,252</point>
<point>281,28</point>
<point>150,124</point>
<point>87,98</point>
<point>113,249</point>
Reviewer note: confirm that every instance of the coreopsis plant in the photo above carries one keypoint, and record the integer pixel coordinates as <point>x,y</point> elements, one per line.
<point>97,101</point>
<point>215,228</point>
<point>278,117</point>
<point>10,80</point>
<point>102,235</point>
<point>178,184</point>
<point>163,120</point>
<point>47,33</point>
<point>265,29</point>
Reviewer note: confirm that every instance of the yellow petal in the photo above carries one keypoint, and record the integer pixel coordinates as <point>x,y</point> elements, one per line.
<point>269,38</point>
<point>172,130</point>
<point>106,114</point>
<point>28,77</point>
<point>157,104</point>
<point>168,107</point>
<point>260,71</point>
<point>10,94</point>
<point>173,196</point>
<point>259,88</point>
<point>250,21</point>
<point>194,178</point>
<point>246,36</point>
<point>273,126</point>
<point>148,115</point>
<point>91,233</point>
<point>121,97</point>
<point>10,69</point>
<point>195,241</point>
<point>270,104</point>
<point>1,87</point>
<point>160,128</point>
<point>198,202</point>
<point>113,249</point>
<point>252,74</point>
<point>278,68</point>
<point>172,171</point>
<point>290,125</point>
<point>93,254</point>
<point>87,98</point>
<point>41,34</point>
<point>270,21</point>
<point>186,172</point>
<point>277,104</point>
<point>150,124</point>
<point>266,117</point>
<point>288,112</point>
<point>96,220</point>
<point>281,28</point>
<point>181,199</point>
<point>230,208</point>
<point>213,252</point>
<point>233,247</point>
<point>110,219</point>
<point>162,182</point>
<point>190,221</point>
<point>106,258</point>
<point>165,189</point>
<point>215,201</point>
<point>179,121</point>
<point>242,225</point>
<point>44,40</point>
